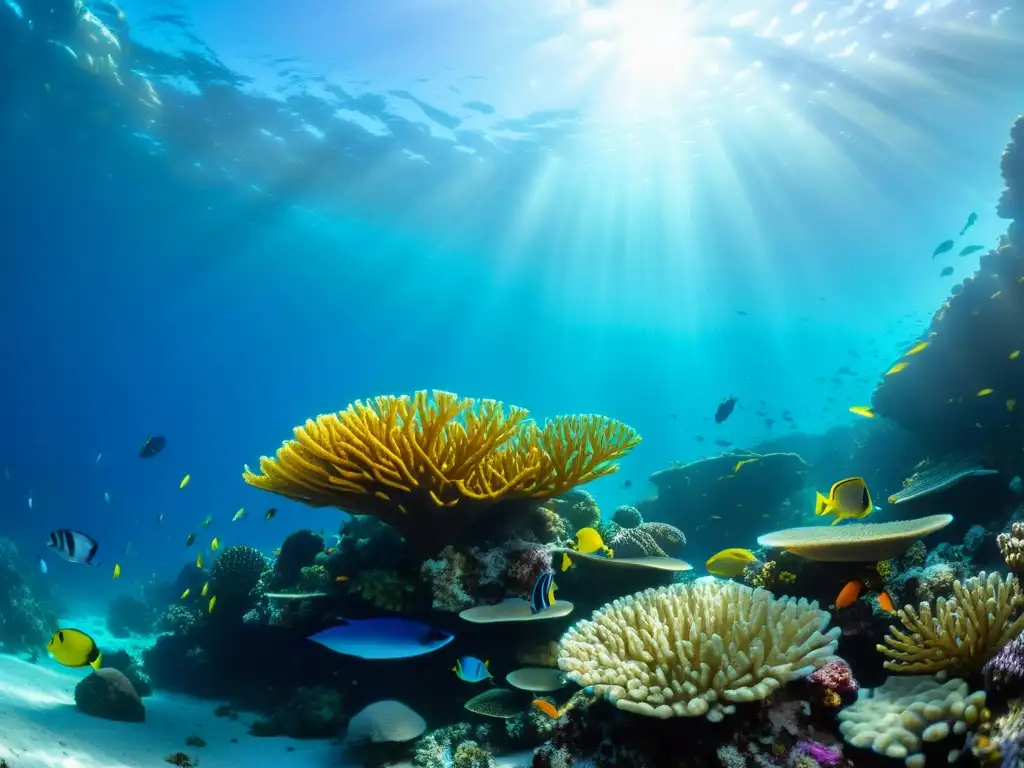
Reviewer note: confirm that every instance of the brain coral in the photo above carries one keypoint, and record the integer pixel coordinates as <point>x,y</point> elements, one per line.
<point>696,649</point>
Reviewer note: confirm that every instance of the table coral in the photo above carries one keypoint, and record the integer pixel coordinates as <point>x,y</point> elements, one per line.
<point>695,649</point>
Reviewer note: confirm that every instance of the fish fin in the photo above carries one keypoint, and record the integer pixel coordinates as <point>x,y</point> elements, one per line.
<point>611,553</point>
<point>838,520</point>
<point>821,505</point>
<point>566,562</point>
<point>487,664</point>
<point>97,662</point>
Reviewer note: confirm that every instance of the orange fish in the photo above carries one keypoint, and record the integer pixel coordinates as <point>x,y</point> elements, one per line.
<point>885,603</point>
<point>546,707</point>
<point>848,595</point>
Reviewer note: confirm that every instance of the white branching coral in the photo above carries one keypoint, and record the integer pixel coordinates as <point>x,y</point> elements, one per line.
<point>695,649</point>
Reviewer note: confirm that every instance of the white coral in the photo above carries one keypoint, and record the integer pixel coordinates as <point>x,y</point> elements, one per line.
<point>696,649</point>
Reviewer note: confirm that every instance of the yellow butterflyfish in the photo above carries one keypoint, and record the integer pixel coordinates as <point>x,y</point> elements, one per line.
<point>117,571</point>
<point>199,560</point>
<point>214,545</point>
<point>213,602</point>
<point>184,481</point>
<point>919,347</point>
<point>740,464</point>
<point>730,562</point>
<point>984,392</point>
<point>896,369</point>
<point>186,593</point>
<point>588,541</point>
<point>206,588</point>
<point>863,410</point>
<point>847,498</point>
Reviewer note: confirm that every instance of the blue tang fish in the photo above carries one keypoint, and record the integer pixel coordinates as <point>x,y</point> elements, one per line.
<point>384,638</point>
<point>542,596</point>
<point>471,669</point>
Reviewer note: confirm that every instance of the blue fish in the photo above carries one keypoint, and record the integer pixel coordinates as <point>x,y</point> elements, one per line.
<point>471,669</point>
<point>385,638</point>
<point>542,596</point>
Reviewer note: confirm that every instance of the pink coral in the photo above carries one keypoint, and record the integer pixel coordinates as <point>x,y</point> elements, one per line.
<point>832,682</point>
<point>446,576</point>
<point>524,566</point>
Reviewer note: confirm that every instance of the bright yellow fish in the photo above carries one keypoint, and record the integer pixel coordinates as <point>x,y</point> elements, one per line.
<point>729,563</point>
<point>919,347</point>
<point>214,545</point>
<point>1015,354</point>
<point>847,498</point>
<point>896,369</point>
<point>566,562</point>
<point>739,464</point>
<point>184,481</point>
<point>186,593</point>
<point>117,571</point>
<point>863,410</point>
<point>588,541</point>
<point>199,560</point>
<point>206,588</point>
<point>985,391</point>
<point>238,515</point>
<point>213,602</point>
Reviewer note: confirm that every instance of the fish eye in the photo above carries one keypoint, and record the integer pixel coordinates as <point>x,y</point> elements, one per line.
<point>60,636</point>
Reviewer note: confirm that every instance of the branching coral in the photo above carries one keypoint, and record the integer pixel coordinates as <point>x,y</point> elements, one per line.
<point>962,633</point>
<point>696,649</point>
<point>1011,547</point>
<point>431,466</point>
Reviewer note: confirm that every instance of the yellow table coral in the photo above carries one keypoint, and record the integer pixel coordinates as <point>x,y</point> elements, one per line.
<point>430,465</point>
<point>695,649</point>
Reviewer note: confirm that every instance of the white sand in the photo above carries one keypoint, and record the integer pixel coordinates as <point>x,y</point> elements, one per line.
<point>40,726</point>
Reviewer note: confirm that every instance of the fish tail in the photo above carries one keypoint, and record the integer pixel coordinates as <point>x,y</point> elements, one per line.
<point>821,505</point>
<point>838,520</point>
<point>97,662</point>
<point>611,552</point>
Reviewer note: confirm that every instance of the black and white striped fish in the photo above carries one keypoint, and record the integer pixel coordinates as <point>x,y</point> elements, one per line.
<point>74,546</point>
<point>542,596</point>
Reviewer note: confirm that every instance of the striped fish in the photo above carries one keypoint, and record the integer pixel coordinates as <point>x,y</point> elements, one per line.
<point>542,596</point>
<point>74,546</point>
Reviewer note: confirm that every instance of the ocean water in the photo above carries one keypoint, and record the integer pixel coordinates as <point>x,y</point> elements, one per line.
<point>220,219</point>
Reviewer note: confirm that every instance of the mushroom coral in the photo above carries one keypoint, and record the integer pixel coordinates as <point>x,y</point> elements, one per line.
<point>433,464</point>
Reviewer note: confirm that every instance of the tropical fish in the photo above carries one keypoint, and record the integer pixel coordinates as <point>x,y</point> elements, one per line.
<point>971,219</point>
<point>382,638</point>
<point>160,517</point>
<point>896,368</point>
<point>190,539</point>
<point>729,563</point>
<point>213,602</point>
<point>206,588</point>
<point>240,514</point>
<point>946,272</point>
<point>214,545</point>
<point>199,560</point>
<point>152,446</point>
<point>863,410</point>
<point>117,571</point>
<point>985,392</point>
<point>921,346</point>
<point>944,247</point>
<point>186,593</point>
<point>74,648</point>
<point>546,707</point>
<point>566,562</point>
<point>206,521</point>
<point>848,595</point>
<point>725,408</point>
<point>969,249</point>
<point>270,514</point>
<point>184,481</point>
<point>340,578</point>
<point>1015,354</point>
<point>742,463</point>
<point>588,541</point>
<point>542,596</point>
<point>847,498</point>
<point>42,566</point>
<point>106,497</point>
<point>471,669</point>
<point>885,603</point>
<point>996,295</point>
<point>30,499</point>
<point>74,546</point>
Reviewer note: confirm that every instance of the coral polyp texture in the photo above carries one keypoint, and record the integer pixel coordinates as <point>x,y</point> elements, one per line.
<point>430,465</point>
<point>900,717</point>
<point>688,650</point>
<point>1011,547</point>
<point>961,633</point>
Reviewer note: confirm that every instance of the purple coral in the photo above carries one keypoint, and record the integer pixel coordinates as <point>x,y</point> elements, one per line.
<point>1004,672</point>
<point>524,566</point>
<point>823,755</point>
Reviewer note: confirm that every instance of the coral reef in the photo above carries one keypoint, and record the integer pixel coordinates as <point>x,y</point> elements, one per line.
<point>961,633</point>
<point>384,589</point>
<point>433,467</point>
<point>26,621</point>
<point>831,684</point>
<point>1011,547</point>
<point>127,615</point>
<point>626,516</point>
<point>695,649</point>
<point>1004,672</point>
<point>311,713</point>
<point>578,509</point>
<point>298,551</point>
<point>234,577</point>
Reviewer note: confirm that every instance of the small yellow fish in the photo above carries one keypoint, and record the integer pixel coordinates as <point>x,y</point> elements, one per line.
<point>588,541</point>
<point>184,481</point>
<point>341,578</point>
<point>847,498</point>
<point>896,369</point>
<point>566,562</point>
<point>117,571</point>
<point>186,593</point>
<point>919,347</point>
<point>996,295</point>
<point>199,560</point>
<point>739,464</point>
<point>1015,354</point>
<point>985,391</point>
<point>863,410</point>
<point>1011,404</point>
<point>213,602</point>
<point>730,562</point>
<point>214,545</point>
<point>238,515</point>
<point>206,588</point>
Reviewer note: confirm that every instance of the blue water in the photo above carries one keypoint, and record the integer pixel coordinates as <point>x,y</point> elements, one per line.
<point>562,205</point>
